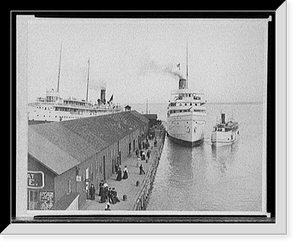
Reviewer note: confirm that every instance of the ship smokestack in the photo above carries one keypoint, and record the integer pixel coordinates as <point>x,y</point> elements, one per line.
<point>182,83</point>
<point>223,118</point>
<point>102,96</point>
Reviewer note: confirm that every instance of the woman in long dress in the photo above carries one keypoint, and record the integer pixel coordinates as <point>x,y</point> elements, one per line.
<point>104,194</point>
<point>125,173</point>
<point>114,196</point>
<point>119,175</point>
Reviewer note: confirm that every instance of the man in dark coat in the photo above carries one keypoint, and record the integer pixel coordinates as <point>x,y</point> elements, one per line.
<point>104,194</point>
<point>101,188</point>
<point>92,192</point>
<point>148,153</point>
<point>141,170</point>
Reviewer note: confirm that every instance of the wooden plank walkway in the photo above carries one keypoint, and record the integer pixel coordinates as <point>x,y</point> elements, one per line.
<point>127,187</point>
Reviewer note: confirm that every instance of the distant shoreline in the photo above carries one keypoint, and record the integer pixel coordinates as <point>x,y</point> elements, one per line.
<point>217,103</point>
<point>231,103</point>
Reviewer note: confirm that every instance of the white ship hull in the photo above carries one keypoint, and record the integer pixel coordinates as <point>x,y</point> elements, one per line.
<point>187,128</point>
<point>224,138</point>
<point>44,113</point>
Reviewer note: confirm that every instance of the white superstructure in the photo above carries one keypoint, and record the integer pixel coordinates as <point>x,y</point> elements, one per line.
<point>186,115</point>
<point>55,108</point>
<point>225,133</point>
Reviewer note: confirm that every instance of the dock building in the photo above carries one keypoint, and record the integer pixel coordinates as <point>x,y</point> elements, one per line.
<point>65,158</point>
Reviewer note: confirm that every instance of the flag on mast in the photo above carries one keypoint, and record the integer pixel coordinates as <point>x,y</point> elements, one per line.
<point>111,99</point>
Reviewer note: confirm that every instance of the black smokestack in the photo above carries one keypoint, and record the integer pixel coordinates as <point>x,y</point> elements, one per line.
<point>102,96</point>
<point>182,83</point>
<point>223,118</point>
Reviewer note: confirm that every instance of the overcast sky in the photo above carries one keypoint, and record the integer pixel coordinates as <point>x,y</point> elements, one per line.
<point>135,58</point>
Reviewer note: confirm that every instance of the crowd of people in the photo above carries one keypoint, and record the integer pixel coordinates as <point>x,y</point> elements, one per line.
<point>119,173</point>
<point>109,195</point>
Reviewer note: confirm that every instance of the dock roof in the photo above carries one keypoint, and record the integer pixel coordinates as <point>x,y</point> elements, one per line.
<point>150,116</point>
<point>63,145</point>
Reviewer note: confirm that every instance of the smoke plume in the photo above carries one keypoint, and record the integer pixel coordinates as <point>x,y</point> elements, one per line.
<point>97,84</point>
<point>149,66</point>
<point>173,72</point>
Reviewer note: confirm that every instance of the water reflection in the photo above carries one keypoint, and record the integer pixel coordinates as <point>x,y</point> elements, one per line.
<point>225,178</point>
<point>224,155</point>
<point>180,164</point>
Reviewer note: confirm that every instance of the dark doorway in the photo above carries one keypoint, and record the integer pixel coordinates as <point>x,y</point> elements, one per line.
<point>104,171</point>
<point>119,158</point>
<point>113,166</point>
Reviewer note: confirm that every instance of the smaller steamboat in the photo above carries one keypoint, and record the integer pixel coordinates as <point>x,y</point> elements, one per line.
<point>225,133</point>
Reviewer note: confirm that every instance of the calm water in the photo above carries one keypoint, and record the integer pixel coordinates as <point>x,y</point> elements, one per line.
<point>202,178</point>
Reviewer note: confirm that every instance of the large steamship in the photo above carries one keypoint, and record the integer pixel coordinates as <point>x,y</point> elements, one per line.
<point>54,108</point>
<point>186,115</point>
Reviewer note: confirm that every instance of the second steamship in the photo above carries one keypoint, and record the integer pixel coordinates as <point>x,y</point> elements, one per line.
<point>55,108</point>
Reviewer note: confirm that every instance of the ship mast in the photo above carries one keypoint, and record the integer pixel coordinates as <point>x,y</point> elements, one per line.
<point>87,85</point>
<point>59,68</point>
<point>187,64</point>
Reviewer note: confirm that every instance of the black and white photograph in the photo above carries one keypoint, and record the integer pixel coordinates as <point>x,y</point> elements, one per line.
<point>180,103</point>
<point>146,119</point>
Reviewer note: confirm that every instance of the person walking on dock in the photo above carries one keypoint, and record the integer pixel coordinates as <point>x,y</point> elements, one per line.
<point>101,188</point>
<point>119,174</point>
<point>141,153</point>
<point>92,192</point>
<point>148,154</point>
<point>107,207</point>
<point>103,194</point>
<point>114,196</point>
<point>125,173</point>
<point>138,162</point>
<point>142,172</point>
<point>109,194</point>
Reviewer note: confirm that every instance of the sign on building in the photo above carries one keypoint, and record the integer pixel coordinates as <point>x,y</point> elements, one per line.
<point>35,179</point>
<point>47,200</point>
<point>78,178</point>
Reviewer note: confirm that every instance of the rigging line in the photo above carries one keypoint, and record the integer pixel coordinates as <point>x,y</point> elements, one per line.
<point>59,68</point>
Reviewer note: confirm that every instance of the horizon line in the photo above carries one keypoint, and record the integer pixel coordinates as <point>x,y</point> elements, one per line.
<point>252,102</point>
